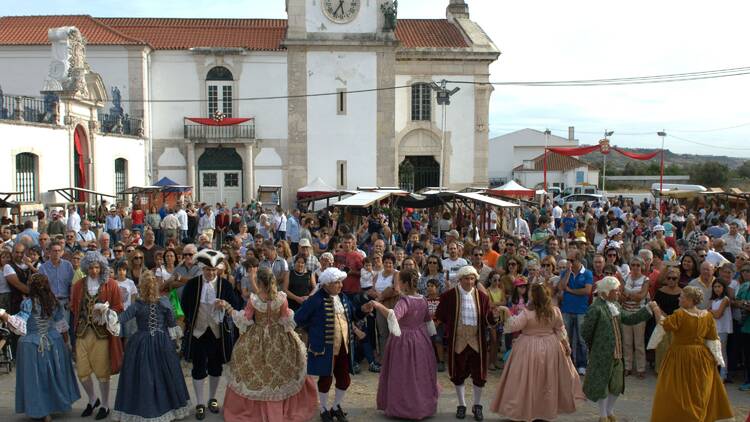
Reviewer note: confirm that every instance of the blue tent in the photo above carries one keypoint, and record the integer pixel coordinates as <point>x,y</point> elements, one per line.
<point>169,185</point>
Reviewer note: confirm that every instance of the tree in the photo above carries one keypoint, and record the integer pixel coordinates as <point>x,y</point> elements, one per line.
<point>744,170</point>
<point>710,174</point>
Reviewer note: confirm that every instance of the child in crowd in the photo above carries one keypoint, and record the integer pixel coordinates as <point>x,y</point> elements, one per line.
<point>497,299</point>
<point>433,300</point>
<point>723,316</point>
<point>366,275</point>
<point>128,294</point>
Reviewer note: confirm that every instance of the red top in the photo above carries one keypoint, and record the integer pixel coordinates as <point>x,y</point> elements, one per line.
<point>352,261</point>
<point>138,217</point>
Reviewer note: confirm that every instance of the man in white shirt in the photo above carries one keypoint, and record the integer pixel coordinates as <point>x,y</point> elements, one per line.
<point>452,264</point>
<point>467,315</point>
<point>182,217</point>
<point>521,227</point>
<point>734,240</point>
<point>557,213</point>
<point>74,220</point>
<point>84,235</point>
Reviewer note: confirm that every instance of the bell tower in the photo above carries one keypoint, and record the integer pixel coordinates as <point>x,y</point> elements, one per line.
<point>346,138</point>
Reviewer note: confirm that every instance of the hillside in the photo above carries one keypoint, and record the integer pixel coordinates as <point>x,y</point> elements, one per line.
<point>618,160</point>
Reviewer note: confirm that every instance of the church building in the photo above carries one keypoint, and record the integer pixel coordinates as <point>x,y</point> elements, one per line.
<point>341,90</point>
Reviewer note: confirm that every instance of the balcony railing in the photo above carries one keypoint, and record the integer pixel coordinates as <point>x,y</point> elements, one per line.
<point>206,132</point>
<point>122,125</point>
<point>26,109</point>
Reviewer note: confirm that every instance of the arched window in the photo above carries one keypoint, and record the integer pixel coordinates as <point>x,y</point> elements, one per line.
<point>219,81</point>
<point>27,165</point>
<point>421,102</point>
<point>121,177</point>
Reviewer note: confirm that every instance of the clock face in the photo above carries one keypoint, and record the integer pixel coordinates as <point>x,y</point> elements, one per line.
<point>340,11</point>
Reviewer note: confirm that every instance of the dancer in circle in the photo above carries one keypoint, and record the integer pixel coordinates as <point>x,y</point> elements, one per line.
<point>151,385</point>
<point>408,387</point>
<point>209,337</point>
<point>268,379</point>
<point>539,380</point>
<point>467,315</point>
<point>689,387</point>
<point>45,380</point>
<point>602,332</point>
<point>328,316</point>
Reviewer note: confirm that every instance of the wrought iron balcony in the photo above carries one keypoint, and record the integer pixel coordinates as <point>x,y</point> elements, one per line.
<point>28,109</point>
<point>208,132</point>
<point>120,124</point>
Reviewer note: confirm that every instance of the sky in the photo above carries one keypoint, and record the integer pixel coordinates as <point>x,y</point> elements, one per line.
<point>548,40</point>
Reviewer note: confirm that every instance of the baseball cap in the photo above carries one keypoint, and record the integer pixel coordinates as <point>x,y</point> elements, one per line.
<point>304,243</point>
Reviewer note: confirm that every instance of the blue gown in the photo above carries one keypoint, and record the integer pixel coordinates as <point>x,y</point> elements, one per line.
<point>151,384</point>
<point>45,380</point>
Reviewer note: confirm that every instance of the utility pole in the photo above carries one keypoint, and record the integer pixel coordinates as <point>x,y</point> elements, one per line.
<point>662,134</point>
<point>547,133</point>
<point>443,99</point>
<point>607,134</point>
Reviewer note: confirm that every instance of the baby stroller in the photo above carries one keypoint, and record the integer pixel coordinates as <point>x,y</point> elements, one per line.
<point>6,352</point>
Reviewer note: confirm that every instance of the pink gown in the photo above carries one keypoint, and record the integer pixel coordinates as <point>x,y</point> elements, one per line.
<point>408,385</point>
<point>268,379</point>
<point>539,381</point>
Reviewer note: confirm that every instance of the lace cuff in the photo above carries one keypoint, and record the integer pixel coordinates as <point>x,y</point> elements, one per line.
<point>17,325</point>
<point>288,323</point>
<point>113,323</point>
<point>715,347</point>
<point>508,326</point>
<point>431,330</point>
<point>175,332</point>
<point>62,326</point>
<point>240,321</point>
<point>656,337</point>
<point>562,335</point>
<point>393,326</point>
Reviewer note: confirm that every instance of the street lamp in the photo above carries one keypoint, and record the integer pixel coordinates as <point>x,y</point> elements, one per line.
<point>662,134</point>
<point>443,96</point>
<point>607,134</point>
<point>547,133</point>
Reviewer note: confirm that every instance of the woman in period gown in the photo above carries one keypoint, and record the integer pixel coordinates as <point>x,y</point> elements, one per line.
<point>539,380</point>
<point>408,387</point>
<point>689,387</point>
<point>151,385</point>
<point>45,380</point>
<point>268,379</point>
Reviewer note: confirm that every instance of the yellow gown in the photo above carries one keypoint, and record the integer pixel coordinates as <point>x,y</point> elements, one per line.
<point>689,387</point>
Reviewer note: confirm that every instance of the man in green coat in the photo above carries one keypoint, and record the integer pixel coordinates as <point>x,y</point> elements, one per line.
<point>602,332</point>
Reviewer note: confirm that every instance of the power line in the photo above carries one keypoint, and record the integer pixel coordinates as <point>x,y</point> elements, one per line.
<point>708,145</point>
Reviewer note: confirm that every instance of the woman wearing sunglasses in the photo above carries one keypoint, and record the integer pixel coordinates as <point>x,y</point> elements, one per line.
<point>668,299</point>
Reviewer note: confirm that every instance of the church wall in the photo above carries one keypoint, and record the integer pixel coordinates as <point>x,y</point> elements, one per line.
<point>108,148</point>
<point>366,21</point>
<point>25,68</point>
<point>460,122</point>
<point>264,75</point>
<point>173,76</point>
<point>350,137</point>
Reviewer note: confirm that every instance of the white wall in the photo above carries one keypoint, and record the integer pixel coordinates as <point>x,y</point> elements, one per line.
<point>53,147</point>
<point>531,178</point>
<point>366,20</point>
<point>351,137</point>
<point>460,123</point>
<point>23,69</point>
<point>109,148</point>
<point>175,75</point>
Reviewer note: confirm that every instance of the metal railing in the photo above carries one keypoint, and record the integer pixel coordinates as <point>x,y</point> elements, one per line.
<point>24,108</point>
<point>122,125</point>
<point>241,131</point>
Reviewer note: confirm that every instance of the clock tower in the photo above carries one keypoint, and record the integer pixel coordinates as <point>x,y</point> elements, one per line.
<point>346,137</point>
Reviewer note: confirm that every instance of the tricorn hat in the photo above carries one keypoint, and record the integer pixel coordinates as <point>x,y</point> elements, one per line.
<point>209,258</point>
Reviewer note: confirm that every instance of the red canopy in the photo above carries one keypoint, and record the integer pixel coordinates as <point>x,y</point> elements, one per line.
<point>226,121</point>
<point>512,189</point>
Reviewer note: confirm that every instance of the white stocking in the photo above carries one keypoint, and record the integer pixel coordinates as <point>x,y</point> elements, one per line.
<point>602,407</point>
<point>611,404</point>
<point>460,394</point>
<point>104,388</point>
<point>323,398</point>
<point>88,386</point>
<point>477,395</point>
<point>338,398</point>
<point>213,386</point>
<point>198,387</point>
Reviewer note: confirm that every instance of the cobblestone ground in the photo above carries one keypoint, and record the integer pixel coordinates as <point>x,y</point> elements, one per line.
<point>634,406</point>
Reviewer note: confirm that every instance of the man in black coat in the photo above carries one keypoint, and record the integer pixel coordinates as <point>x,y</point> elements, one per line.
<point>209,336</point>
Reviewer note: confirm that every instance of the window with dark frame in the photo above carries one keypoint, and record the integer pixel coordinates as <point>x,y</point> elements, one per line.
<point>341,101</point>
<point>219,100</point>
<point>421,102</point>
<point>26,177</point>
<point>121,177</point>
<point>341,182</point>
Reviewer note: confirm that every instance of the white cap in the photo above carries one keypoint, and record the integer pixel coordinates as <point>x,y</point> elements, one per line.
<point>468,270</point>
<point>331,275</point>
<point>658,228</point>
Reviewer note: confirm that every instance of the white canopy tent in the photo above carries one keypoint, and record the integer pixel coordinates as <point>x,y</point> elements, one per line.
<point>478,197</point>
<point>362,199</point>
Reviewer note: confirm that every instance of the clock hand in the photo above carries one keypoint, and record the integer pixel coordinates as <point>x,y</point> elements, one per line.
<point>341,6</point>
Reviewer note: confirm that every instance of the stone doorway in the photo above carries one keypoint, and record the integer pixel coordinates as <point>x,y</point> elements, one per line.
<point>418,172</point>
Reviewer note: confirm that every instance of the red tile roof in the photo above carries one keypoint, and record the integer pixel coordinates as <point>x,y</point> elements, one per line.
<point>435,33</point>
<point>555,162</point>
<point>180,34</point>
<point>32,30</point>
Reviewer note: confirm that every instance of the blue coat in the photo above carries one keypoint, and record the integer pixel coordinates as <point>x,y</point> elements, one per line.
<point>315,315</point>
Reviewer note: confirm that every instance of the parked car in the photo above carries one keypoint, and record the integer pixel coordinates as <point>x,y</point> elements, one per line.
<point>575,201</point>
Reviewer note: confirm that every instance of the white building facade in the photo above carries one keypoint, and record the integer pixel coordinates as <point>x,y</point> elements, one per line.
<point>340,95</point>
